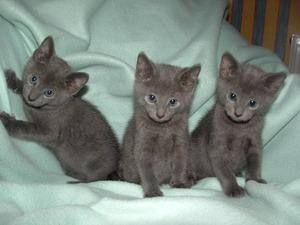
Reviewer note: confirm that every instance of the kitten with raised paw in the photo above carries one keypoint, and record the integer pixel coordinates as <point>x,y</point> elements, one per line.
<point>73,129</point>
<point>156,144</point>
<point>228,139</point>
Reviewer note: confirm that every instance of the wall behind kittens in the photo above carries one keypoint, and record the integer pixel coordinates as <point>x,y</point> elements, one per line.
<point>269,23</point>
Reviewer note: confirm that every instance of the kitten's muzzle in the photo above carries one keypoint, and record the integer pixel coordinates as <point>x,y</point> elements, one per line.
<point>237,119</point>
<point>236,115</point>
<point>162,119</point>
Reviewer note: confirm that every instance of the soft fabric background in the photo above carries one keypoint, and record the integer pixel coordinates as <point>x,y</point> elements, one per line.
<point>103,38</point>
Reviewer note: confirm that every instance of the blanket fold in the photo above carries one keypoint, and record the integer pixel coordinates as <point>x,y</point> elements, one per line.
<point>103,38</point>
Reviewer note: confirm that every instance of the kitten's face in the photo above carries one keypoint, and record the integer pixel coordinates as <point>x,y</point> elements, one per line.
<point>241,105</point>
<point>162,105</point>
<point>44,90</point>
<point>164,90</point>
<point>245,90</point>
<point>48,80</point>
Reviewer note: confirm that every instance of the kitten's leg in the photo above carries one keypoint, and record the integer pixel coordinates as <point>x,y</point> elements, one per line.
<point>13,82</point>
<point>24,129</point>
<point>143,158</point>
<point>253,167</point>
<point>179,176</point>
<point>223,172</point>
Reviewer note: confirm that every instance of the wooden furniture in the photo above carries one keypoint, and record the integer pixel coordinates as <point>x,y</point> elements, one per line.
<point>269,23</point>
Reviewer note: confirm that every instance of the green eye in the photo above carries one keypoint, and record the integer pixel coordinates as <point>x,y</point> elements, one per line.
<point>232,96</point>
<point>172,101</point>
<point>252,103</point>
<point>152,98</point>
<point>49,93</point>
<point>34,79</point>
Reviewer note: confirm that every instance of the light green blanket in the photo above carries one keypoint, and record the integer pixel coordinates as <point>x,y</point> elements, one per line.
<point>103,38</point>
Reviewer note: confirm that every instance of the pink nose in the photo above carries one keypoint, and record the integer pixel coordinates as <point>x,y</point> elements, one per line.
<point>30,98</point>
<point>160,112</point>
<point>237,114</point>
<point>160,115</point>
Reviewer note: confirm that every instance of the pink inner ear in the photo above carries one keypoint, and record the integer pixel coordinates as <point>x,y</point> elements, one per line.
<point>145,73</point>
<point>189,78</point>
<point>77,83</point>
<point>228,66</point>
<point>39,56</point>
<point>72,84</point>
<point>44,51</point>
<point>227,69</point>
<point>144,69</point>
<point>227,73</point>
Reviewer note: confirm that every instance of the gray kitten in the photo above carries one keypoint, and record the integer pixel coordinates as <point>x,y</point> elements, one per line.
<point>228,139</point>
<point>72,128</point>
<point>156,144</point>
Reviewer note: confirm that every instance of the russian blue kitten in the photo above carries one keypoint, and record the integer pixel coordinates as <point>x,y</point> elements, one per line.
<point>156,144</point>
<point>228,139</point>
<point>72,128</point>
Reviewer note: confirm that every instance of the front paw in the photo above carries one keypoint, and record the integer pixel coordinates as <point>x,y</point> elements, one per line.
<point>259,180</point>
<point>153,193</point>
<point>6,118</point>
<point>235,191</point>
<point>11,79</point>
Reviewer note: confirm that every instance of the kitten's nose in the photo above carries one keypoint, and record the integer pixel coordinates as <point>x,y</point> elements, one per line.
<point>237,114</point>
<point>31,99</point>
<point>159,116</point>
<point>160,113</point>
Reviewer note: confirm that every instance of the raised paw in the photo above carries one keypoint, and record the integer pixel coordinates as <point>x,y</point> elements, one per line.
<point>12,81</point>
<point>153,193</point>
<point>5,118</point>
<point>236,191</point>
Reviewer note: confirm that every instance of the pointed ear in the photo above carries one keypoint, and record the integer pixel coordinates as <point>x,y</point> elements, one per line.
<point>45,51</point>
<point>273,81</point>
<point>144,68</point>
<point>75,81</point>
<point>188,78</point>
<point>228,66</point>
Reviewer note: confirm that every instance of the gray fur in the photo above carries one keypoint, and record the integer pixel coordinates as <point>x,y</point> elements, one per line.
<point>228,139</point>
<point>72,128</point>
<point>156,143</point>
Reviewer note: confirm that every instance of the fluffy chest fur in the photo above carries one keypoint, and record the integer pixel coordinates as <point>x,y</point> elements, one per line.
<point>235,139</point>
<point>162,138</point>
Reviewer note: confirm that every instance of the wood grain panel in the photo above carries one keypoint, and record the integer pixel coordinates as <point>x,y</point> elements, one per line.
<point>269,38</point>
<point>248,19</point>
<point>293,26</point>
